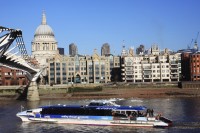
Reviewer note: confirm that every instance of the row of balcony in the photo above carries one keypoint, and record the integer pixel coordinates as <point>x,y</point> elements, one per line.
<point>149,73</point>
<point>150,76</point>
<point>146,62</point>
<point>132,78</point>
<point>150,68</point>
<point>173,78</point>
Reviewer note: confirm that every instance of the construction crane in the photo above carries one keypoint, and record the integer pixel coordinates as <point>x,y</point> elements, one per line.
<point>189,45</point>
<point>196,38</point>
<point>195,43</point>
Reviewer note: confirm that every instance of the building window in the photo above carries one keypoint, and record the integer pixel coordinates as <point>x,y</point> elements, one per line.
<point>51,74</point>
<point>51,64</point>
<point>58,74</point>
<point>64,73</point>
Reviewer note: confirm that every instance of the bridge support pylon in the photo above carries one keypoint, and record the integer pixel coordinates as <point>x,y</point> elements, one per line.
<point>33,94</point>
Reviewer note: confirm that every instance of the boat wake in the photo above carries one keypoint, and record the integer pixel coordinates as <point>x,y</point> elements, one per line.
<point>112,100</point>
<point>136,100</point>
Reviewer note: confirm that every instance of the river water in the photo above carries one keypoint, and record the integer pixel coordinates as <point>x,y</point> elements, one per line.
<point>184,112</point>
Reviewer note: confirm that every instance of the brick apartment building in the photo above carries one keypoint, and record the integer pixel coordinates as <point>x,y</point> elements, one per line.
<point>10,76</point>
<point>195,66</point>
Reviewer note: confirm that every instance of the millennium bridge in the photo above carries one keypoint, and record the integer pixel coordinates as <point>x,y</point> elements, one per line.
<point>13,54</point>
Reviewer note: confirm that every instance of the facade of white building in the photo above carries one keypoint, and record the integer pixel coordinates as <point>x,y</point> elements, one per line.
<point>154,67</point>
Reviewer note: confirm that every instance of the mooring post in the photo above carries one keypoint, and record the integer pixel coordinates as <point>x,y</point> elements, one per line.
<point>33,94</point>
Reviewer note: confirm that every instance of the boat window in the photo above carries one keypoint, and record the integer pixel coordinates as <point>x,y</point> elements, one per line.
<point>119,115</point>
<point>128,113</point>
<point>91,111</point>
<point>96,104</point>
<point>123,112</point>
<point>29,111</point>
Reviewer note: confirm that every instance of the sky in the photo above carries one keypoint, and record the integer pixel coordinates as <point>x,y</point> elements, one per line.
<point>89,24</point>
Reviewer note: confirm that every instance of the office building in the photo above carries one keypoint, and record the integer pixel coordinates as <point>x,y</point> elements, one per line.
<point>73,50</point>
<point>140,50</point>
<point>105,49</point>
<point>61,51</point>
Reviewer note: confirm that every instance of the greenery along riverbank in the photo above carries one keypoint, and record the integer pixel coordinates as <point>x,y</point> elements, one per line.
<point>121,91</point>
<point>127,93</point>
<point>108,91</point>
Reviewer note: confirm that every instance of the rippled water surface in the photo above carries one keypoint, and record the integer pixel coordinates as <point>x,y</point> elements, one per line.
<point>185,114</point>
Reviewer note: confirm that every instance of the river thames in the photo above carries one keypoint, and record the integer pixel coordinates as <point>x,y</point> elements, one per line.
<point>184,112</point>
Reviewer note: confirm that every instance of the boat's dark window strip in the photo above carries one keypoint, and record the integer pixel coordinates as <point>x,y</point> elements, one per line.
<point>97,104</point>
<point>119,115</point>
<point>76,111</point>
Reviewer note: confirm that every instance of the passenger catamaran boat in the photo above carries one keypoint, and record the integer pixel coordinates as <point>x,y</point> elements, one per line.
<point>96,113</point>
